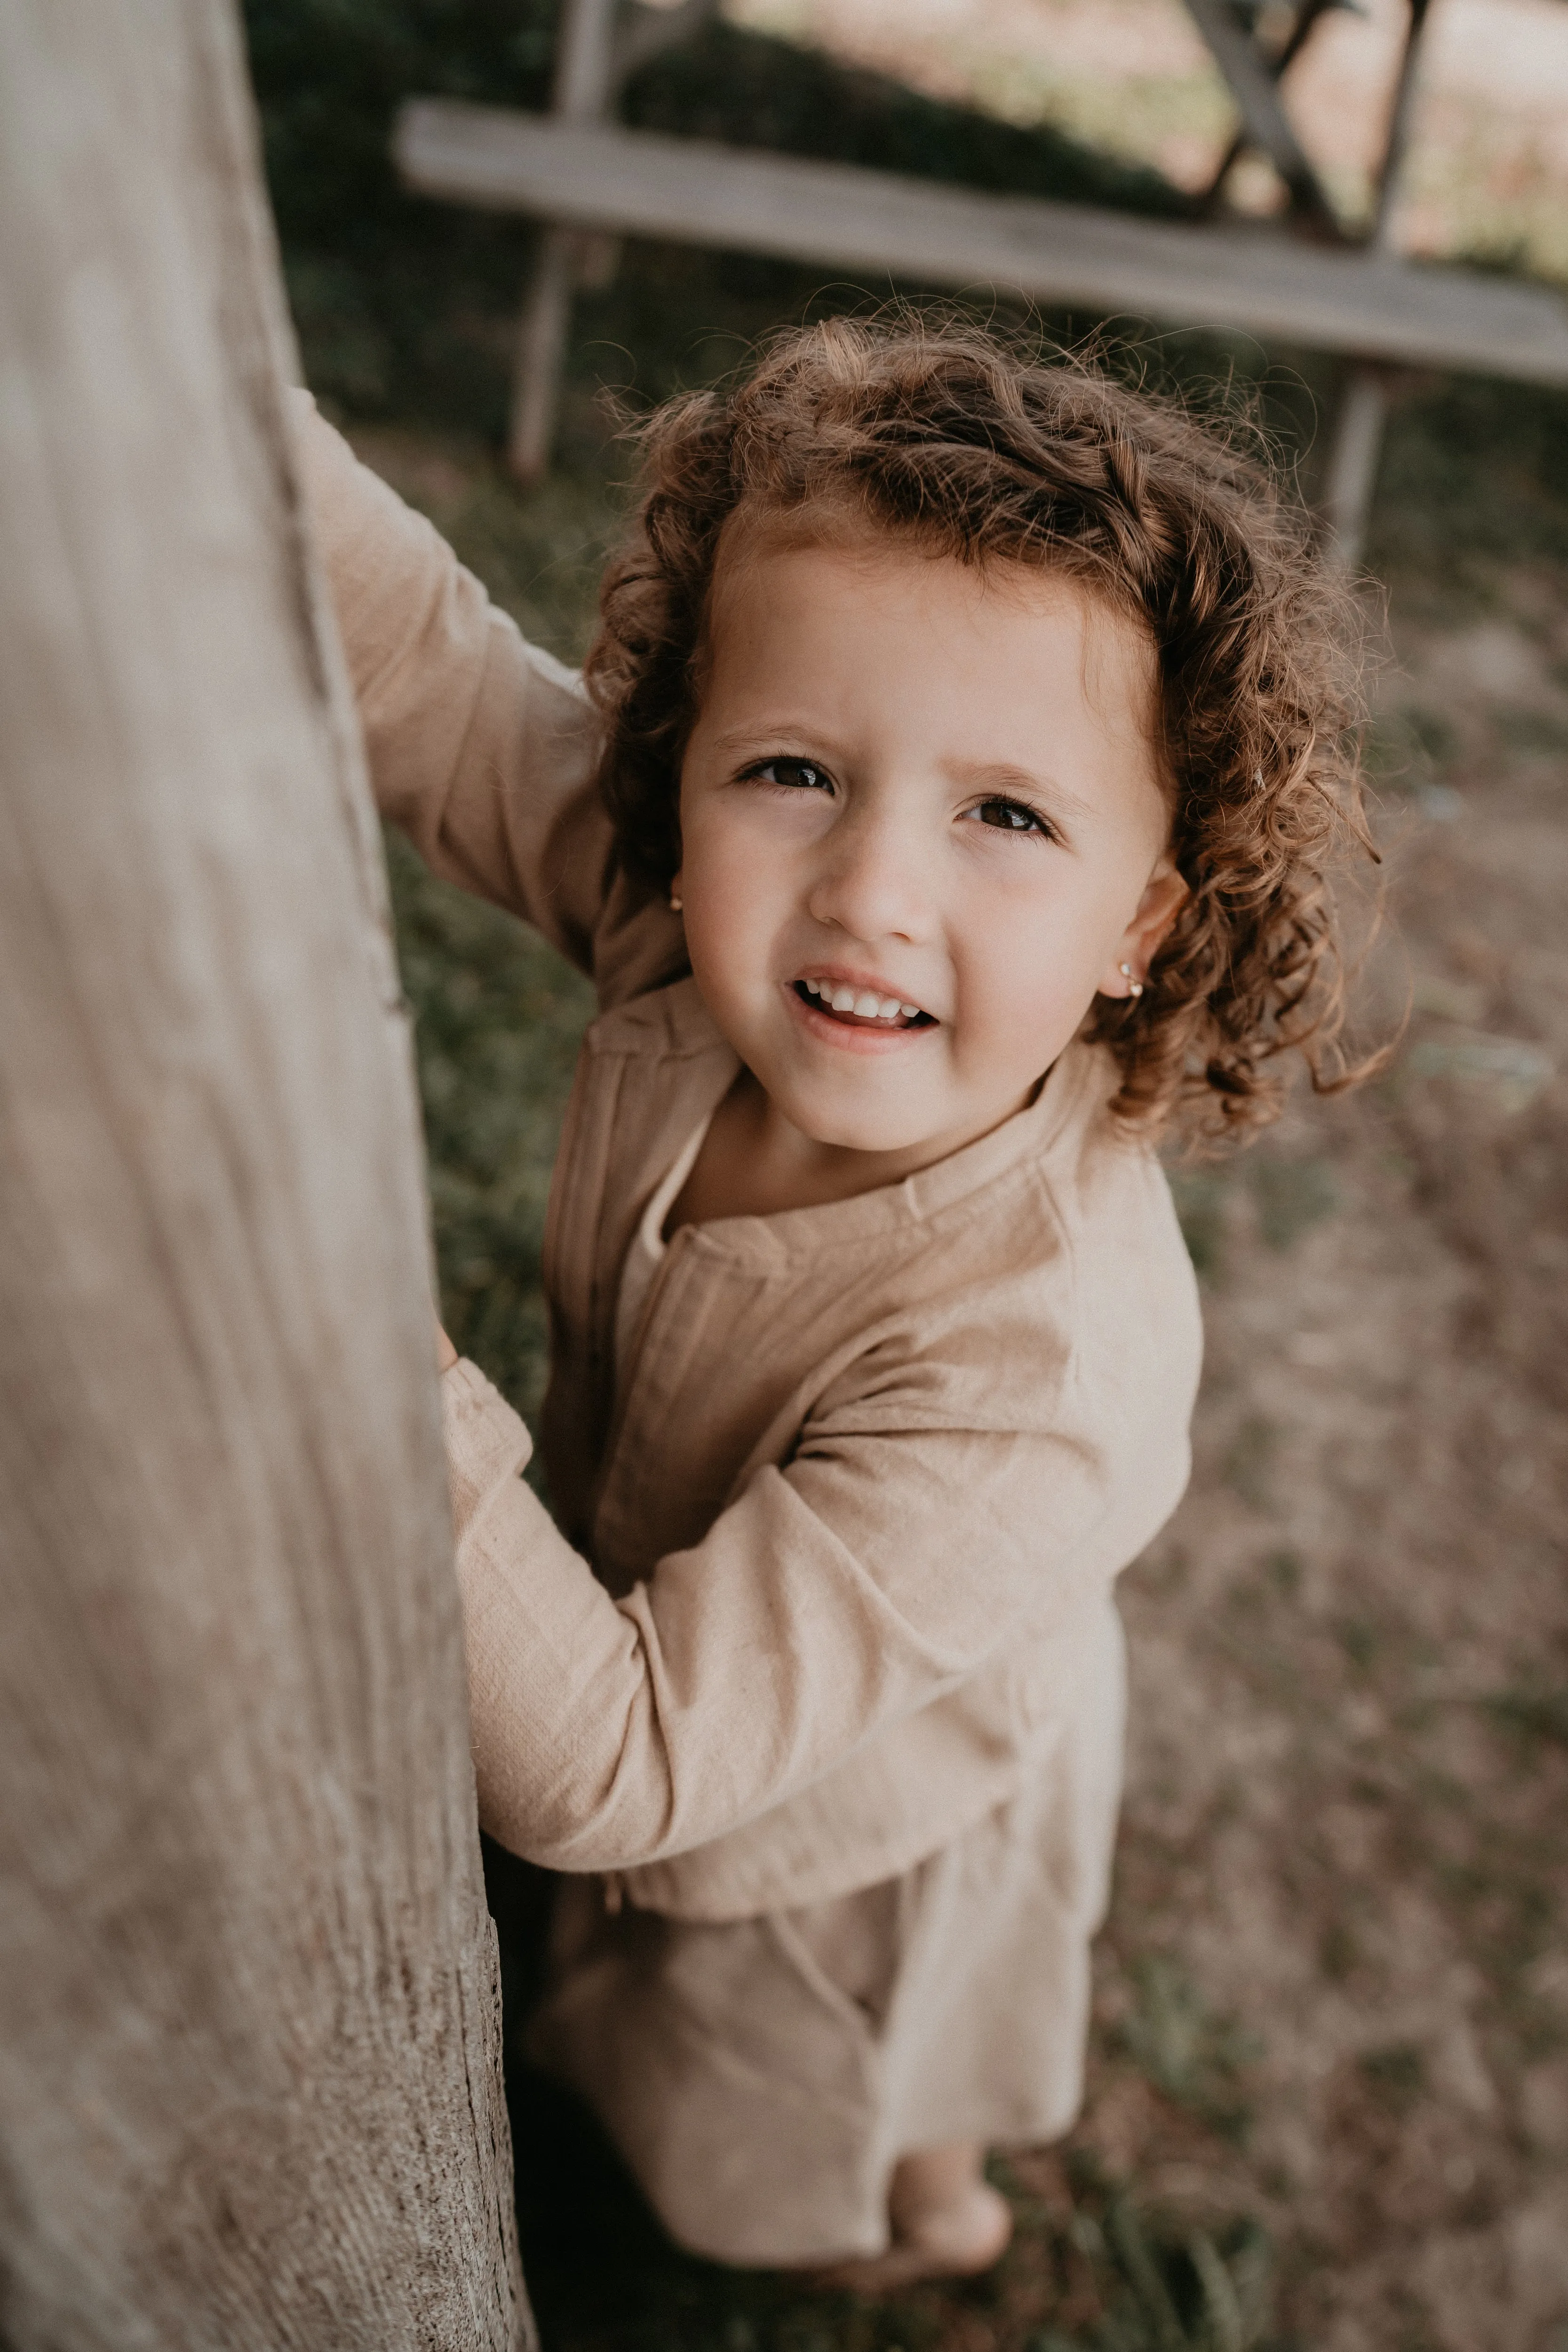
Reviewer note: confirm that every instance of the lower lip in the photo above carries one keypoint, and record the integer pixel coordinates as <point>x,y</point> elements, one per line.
<point>856,1039</point>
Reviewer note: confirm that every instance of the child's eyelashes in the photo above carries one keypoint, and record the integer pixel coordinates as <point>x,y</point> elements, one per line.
<point>790,771</point>
<point>793,774</point>
<point>1010,816</point>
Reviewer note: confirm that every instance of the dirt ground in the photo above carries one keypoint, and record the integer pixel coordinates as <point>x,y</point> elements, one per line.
<point>1340,1892</point>
<point>1329,2091</point>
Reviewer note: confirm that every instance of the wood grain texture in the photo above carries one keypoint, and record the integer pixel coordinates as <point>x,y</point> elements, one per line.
<point>249,2089</point>
<point>1252,84</point>
<point>842,217</point>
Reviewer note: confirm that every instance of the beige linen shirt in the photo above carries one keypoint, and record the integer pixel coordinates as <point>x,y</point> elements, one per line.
<point>858,1480</point>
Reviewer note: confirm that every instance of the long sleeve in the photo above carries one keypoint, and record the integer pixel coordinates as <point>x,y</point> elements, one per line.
<point>876,1572</point>
<point>481,748</point>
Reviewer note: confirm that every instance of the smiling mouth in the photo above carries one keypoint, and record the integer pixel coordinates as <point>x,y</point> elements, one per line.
<point>859,1008</point>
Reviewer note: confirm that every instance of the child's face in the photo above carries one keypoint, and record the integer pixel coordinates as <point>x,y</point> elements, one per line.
<point>919,785</point>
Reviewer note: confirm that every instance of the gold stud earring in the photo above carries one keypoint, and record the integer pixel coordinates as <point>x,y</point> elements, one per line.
<point>675,904</point>
<point>1134,987</point>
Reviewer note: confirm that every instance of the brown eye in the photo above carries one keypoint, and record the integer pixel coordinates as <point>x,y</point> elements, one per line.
<point>798,775</point>
<point>1007,816</point>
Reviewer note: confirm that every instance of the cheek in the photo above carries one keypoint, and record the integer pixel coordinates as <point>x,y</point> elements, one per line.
<point>711,844</point>
<point>741,860</point>
<point>1036,957</point>
<point>713,829</point>
<point>718,880</point>
<point>731,911</point>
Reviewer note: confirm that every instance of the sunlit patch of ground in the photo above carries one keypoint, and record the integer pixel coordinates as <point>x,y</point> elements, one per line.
<point>1488,169</point>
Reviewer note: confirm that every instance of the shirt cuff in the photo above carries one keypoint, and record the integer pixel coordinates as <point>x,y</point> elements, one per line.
<point>488,1444</point>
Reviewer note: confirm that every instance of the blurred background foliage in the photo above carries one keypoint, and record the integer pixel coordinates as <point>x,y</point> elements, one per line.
<point>404,306</point>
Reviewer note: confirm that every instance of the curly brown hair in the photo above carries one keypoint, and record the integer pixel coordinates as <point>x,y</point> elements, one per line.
<point>974,449</point>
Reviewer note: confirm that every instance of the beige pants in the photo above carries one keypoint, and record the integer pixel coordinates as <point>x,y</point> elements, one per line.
<point>762,2077</point>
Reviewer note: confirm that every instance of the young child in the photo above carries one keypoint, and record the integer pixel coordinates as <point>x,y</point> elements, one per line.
<point>964,746</point>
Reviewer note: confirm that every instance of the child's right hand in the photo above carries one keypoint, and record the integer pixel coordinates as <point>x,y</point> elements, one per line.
<point>446,1354</point>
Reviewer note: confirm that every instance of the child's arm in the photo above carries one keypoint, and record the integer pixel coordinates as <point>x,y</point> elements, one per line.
<point>481,748</point>
<point>883,1566</point>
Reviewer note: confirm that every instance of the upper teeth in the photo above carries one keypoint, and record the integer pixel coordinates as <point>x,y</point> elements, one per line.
<point>861,1003</point>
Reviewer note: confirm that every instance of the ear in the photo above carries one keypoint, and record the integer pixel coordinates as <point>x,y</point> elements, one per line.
<point>1161,903</point>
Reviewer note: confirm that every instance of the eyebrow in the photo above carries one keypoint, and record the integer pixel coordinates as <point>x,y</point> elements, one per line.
<point>763,731</point>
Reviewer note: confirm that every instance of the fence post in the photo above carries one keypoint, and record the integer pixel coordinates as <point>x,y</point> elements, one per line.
<point>249,2080</point>
<point>584,65</point>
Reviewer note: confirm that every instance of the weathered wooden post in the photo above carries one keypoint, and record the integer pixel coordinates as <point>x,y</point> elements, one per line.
<point>583,74</point>
<point>1351,474</point>
<point>593,57</point>
<point>249,2089</point>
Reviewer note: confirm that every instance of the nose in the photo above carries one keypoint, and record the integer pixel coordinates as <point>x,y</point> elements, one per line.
<point>871,880</point>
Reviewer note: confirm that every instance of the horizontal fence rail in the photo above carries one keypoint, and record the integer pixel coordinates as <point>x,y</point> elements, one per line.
<point>1366,305</point>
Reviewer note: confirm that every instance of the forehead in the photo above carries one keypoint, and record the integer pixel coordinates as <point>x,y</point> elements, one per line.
<point>827,587</point>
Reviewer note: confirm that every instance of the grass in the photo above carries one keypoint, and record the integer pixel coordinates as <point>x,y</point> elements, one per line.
<point>1091,2268</point>
<point>1197,2059</point>
<point>1293,1195</point>
<point>498,1017</point>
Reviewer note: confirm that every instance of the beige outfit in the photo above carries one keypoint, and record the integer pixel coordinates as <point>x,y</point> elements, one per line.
<point>837,1709</point>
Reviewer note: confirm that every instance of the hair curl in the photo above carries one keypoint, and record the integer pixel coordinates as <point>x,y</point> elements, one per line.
<point>945,433</point>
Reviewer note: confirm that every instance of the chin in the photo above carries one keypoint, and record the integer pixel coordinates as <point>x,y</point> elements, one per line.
<point>860,1138</point>
<point>856,1131</point>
